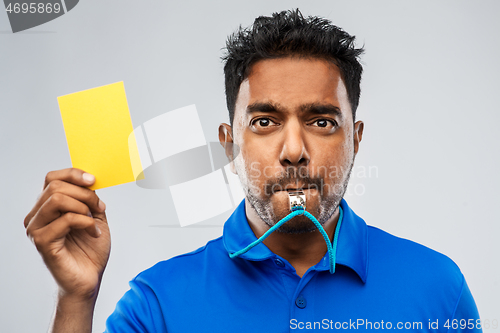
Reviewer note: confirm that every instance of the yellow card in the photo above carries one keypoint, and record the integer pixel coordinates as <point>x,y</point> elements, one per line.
<point>100,134</point>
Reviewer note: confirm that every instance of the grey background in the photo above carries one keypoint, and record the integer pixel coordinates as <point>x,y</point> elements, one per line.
<point>429,102</point>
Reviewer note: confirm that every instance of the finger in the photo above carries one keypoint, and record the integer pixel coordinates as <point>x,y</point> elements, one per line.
<point>70,175</point>
<point>82,194</point>
<point>68,221</point>
<point>55,206</point>
<point>59,228</point>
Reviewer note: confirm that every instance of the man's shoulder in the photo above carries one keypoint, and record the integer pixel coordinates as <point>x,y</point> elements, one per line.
<point>384,242</point>
<point>185,266</point>
<point>417,262</point>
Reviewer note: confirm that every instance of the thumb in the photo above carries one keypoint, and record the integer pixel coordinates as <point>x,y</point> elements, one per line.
<point>98,213</point>
<point>99,210</point>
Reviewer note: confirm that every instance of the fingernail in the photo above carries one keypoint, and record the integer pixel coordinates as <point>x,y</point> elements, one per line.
<point>98,230</point>
<point>89,214</point>
<point>102,205</point>
<point>87,177</point>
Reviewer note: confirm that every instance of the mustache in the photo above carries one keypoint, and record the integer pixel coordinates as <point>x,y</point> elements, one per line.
<point>290,179</point>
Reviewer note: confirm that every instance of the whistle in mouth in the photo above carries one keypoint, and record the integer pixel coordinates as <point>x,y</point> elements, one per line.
<point>297,200</point>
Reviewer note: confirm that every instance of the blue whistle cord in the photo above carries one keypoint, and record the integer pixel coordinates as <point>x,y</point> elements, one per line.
<point>332,249</point>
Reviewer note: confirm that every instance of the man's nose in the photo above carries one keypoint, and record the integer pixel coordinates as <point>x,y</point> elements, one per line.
<point>294,150</point>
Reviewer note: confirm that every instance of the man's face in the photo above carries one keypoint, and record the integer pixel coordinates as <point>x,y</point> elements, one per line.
<point>294,128</point>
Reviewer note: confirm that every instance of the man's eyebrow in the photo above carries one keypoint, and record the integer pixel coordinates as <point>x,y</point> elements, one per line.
<point>264,107</point>
<point>314,108</point>
<point>328,109</point>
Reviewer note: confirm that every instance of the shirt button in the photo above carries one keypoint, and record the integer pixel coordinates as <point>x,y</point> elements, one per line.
<point>301,302</point>
<point>279,262</point>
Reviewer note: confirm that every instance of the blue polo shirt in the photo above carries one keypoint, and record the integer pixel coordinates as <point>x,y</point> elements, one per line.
<point>380,282</point>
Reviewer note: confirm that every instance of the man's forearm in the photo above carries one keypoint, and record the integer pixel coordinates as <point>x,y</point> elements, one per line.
<point>73,315</point>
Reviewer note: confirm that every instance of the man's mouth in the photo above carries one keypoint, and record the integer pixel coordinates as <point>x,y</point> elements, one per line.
<point>296,188</point>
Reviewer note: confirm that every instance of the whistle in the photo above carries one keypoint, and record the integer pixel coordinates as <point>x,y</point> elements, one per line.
<point>297,200</point>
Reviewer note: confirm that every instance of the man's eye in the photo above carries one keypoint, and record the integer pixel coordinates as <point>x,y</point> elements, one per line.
<point>324,122</point>
<point>262,122</point>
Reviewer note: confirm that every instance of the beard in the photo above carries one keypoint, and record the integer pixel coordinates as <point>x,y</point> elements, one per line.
<point>271,213</point>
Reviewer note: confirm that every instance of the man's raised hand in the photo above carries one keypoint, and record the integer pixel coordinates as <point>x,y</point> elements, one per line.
<point>69,228</point>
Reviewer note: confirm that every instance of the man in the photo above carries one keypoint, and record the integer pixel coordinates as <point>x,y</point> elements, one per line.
<point>292,87</point>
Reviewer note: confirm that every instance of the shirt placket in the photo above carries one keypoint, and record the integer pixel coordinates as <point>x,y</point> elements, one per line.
<point>301,304</point>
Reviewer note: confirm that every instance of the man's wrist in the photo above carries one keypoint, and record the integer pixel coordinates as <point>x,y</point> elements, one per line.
<point>76,301</point>
<point>73,313</point>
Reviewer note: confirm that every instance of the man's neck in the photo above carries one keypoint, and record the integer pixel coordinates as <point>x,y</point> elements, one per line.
<point>302,250</point>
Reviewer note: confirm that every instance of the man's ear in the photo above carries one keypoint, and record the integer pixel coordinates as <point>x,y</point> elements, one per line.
<point>358,135</point>
<point>226,141</point>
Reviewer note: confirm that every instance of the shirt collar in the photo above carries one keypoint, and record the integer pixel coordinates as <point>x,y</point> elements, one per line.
<point>351,246</point>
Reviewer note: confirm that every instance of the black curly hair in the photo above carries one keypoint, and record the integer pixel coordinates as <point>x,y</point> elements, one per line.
<point>288,33</point>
